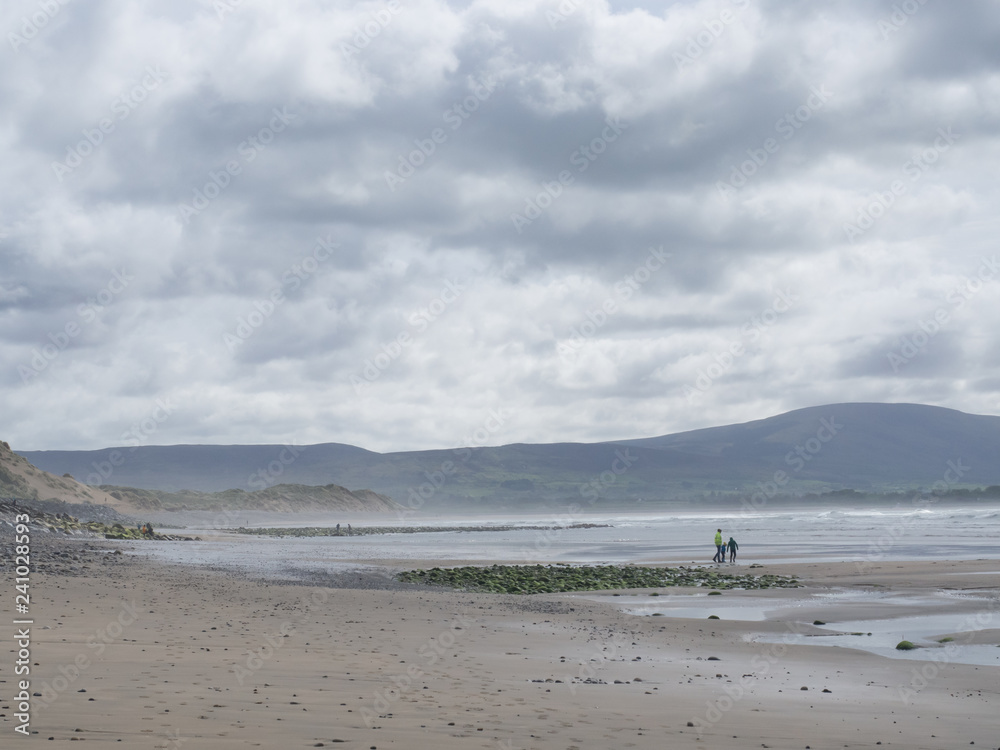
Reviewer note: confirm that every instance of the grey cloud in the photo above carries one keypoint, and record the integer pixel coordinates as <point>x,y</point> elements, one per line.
<point>357,115</point>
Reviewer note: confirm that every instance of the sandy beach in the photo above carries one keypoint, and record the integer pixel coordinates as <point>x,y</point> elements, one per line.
<point>125,650</point>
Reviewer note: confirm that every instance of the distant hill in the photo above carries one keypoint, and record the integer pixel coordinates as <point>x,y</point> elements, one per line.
<point>282,498</point>
<point>876,445</point>
<point>19,479</point>
<point>864,446</point>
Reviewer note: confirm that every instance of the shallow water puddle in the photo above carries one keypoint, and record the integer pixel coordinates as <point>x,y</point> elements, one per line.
<point>925,631</point>
<point>877,636</point>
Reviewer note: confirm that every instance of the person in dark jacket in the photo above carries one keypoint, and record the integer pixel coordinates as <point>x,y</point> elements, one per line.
<point>733,546</point>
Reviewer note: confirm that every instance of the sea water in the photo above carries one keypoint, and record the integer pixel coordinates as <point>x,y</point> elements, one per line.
<point>684,537</point>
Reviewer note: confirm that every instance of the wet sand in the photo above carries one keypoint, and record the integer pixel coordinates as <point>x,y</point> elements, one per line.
<point>177,657</point>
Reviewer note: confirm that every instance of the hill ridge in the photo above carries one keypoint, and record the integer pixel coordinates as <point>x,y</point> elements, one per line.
<point>856,445</point>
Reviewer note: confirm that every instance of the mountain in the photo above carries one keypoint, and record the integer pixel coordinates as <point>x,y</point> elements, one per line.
<point>865,446</point>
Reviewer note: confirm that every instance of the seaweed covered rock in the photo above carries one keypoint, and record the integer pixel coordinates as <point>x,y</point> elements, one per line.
<point>539,579</point>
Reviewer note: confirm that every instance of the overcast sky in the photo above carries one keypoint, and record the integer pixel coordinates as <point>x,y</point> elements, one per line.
<point>407,225</point>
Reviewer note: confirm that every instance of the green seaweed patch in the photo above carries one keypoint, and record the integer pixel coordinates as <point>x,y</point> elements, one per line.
<point>947,639</point>
<point>73,526</point>
<point>905,646</point>
<point>713,617</point>
<point>548,579</point>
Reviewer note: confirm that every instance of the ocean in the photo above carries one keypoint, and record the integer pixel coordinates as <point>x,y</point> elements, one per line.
<point>683,537</point>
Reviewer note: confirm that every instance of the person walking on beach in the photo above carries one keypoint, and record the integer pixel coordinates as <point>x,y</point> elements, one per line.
<point>733,546</point>
<point>720,548</point>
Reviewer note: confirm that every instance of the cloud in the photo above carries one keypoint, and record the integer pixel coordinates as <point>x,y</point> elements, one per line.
<point>491,175</point>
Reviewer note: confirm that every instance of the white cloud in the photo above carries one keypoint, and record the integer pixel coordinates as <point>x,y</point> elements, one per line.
<point>701,88</point>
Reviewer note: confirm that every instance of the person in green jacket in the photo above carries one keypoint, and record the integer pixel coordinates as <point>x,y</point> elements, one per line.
<point>720,548</point>
<point>733,546</point>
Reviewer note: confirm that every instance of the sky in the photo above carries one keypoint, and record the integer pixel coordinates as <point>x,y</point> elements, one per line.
<point>411,225</point>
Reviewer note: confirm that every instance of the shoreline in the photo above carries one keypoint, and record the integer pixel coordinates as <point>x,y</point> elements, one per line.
<point>225,660</point>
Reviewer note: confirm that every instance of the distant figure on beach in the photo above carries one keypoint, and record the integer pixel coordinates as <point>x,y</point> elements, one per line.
<point>338,529</point>
<point>733,546</point>
<point>720,548</point>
